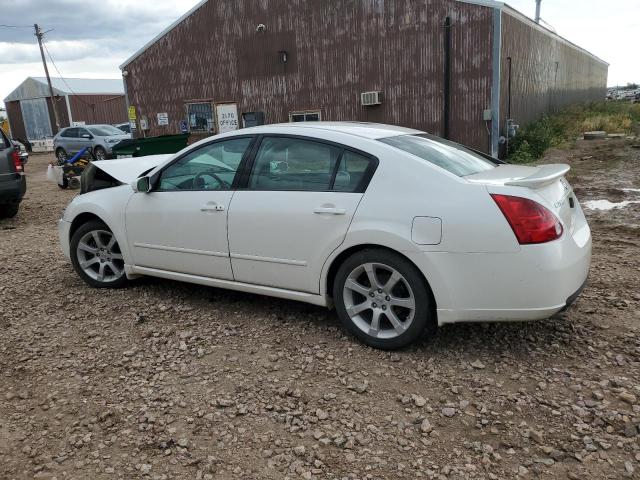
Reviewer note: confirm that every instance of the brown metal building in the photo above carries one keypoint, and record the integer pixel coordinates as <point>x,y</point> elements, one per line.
<point>77,100</point>
<point>455,68</point>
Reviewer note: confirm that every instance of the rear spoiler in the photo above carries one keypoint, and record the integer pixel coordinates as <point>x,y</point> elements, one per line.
<point>544,175</point>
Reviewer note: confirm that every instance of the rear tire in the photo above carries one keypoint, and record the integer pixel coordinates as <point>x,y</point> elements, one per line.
<point>10,210</point>
<point>96,256</point>
<point>383,300</point>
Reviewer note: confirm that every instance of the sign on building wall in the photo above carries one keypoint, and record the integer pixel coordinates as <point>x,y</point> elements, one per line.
<point>226,117</point>
<point>163,118</point>
<point>132,117</point>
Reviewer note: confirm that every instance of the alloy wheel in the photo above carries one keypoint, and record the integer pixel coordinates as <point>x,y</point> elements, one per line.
<point>379,300</point>
<point>99,256</point>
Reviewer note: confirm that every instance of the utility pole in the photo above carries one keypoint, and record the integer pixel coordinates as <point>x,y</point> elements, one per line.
<point>538,2</point>
<point>39,36</point>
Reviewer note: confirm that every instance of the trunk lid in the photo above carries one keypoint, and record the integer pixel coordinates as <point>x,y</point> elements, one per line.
<point>545,180</point>
<point>126,170</point>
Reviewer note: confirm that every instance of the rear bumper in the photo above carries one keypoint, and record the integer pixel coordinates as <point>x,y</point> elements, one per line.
<point>532,284</point>
<point>574,296</point>
<point>12,190</point>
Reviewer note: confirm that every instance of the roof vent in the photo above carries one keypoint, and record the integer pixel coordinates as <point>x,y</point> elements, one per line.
<point>370,98</point>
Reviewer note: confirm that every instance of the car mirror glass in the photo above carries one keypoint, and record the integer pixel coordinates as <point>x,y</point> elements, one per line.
<point>142,184</point>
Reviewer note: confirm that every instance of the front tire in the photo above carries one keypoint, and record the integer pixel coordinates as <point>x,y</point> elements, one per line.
<point>61,155</point>
<point>96,256</point>
<point>100,153</point>
<point>382,299</point>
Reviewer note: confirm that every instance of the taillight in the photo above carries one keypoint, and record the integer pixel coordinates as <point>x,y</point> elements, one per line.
<point>530,221</point>
<point>16,161</point>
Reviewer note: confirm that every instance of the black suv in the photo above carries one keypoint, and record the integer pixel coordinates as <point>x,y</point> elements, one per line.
<point>13,183</point>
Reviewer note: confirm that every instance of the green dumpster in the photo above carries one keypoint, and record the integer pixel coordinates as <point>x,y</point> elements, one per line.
<point>141,147</point>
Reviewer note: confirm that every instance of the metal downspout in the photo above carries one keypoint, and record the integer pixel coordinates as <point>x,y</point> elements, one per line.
<point>66,99</point>
<point>495,83</point>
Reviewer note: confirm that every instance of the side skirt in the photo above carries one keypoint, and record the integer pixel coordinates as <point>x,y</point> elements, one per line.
<point>133,271</point>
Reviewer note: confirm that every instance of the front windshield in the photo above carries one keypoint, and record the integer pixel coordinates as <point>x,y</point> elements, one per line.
<point>105,130</point>
<point>448,155</point>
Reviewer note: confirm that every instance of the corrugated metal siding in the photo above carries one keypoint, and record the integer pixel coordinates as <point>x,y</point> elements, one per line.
<point>336,50</point>
<point>98,108</point>
<point>37,121</point>
<point>16,122</point>
<point>547,72</point>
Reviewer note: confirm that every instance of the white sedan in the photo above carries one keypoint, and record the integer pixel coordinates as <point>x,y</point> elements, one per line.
<point>401,231</point>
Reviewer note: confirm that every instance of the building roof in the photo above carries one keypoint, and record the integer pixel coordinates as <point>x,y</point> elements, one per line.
<point>37,87</point>
<point>486,3</point>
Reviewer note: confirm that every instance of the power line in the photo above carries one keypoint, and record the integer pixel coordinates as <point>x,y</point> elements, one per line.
<point>62,78</point>
<point>15,26</point>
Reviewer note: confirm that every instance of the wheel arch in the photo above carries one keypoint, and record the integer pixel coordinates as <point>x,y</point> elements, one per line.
<point>81,219</point>
<point>346,253</point>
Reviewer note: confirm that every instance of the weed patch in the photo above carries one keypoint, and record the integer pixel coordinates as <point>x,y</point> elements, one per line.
<point>532,141</point>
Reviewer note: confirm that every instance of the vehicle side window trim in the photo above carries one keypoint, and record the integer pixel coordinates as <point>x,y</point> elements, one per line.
<point>361,188</point>
<point>155,178</point>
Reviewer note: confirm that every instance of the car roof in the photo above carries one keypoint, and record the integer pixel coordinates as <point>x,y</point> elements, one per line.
<point>359,129</point>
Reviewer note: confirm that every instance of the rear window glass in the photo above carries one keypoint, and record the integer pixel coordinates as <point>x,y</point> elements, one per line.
<point>451,156</point>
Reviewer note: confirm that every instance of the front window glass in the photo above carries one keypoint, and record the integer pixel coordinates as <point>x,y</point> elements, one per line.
<point>211,167</point>
<point>293,164</point>
<point>451,156</point>
<point>104,130</point>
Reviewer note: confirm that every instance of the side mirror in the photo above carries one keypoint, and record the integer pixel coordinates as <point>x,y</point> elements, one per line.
<point>142,184</point>
<point>86,135</point>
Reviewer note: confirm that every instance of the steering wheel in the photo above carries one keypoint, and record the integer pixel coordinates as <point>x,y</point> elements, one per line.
<point>211,174</point>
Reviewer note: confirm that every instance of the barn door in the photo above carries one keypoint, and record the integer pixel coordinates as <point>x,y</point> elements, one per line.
<point>35,115</point>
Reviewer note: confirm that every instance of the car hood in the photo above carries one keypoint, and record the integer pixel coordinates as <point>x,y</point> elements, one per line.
<point>124,136</point>
<point>126,170</point>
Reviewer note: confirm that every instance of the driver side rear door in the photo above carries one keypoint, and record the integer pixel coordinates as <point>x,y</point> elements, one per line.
<point>181,225</point>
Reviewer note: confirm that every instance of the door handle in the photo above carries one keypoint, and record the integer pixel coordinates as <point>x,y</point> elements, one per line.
<point>212,207</point>
<point>330,210</point>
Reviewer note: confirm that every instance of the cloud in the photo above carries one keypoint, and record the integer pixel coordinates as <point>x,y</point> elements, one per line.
<point>60,50</point>
<point>86,38</point>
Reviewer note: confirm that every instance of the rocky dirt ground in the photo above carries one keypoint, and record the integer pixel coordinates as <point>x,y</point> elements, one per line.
<point>165,380</point>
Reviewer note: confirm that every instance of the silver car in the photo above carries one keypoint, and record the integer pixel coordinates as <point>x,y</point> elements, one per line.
<point>101,138</point>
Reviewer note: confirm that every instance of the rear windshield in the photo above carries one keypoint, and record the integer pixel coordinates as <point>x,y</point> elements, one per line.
<point>105,130</point>
<point>451,156</point>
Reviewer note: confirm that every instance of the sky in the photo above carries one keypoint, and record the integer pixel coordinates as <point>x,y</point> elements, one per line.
<point>90,38</point>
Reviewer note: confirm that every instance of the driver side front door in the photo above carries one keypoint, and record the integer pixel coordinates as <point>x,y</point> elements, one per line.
<point>181,225</point>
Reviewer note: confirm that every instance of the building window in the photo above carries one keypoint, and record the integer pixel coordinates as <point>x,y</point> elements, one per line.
<point>200,117</point>
<point>310,116</point>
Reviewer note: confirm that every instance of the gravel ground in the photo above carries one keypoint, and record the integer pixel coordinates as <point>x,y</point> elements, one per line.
<point>165,380</point>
